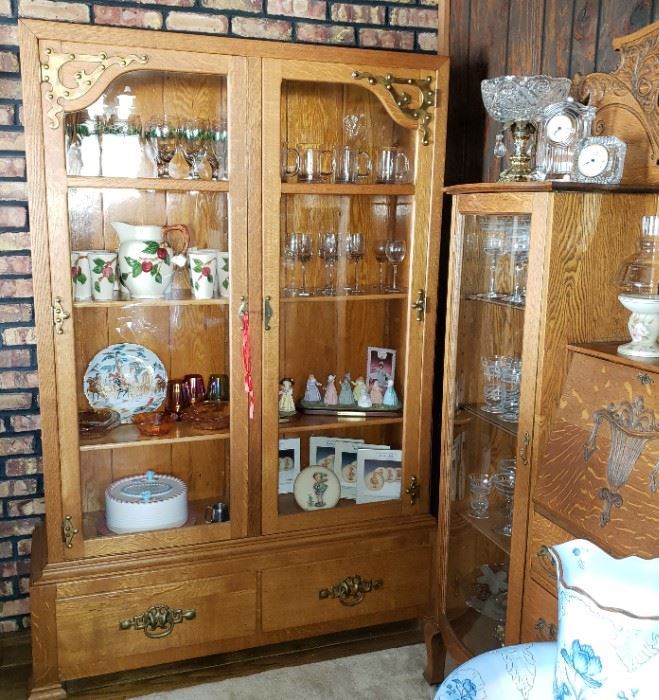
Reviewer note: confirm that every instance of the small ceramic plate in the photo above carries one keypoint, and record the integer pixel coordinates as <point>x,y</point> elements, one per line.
<point>127,378</point>
<point>316,488</point>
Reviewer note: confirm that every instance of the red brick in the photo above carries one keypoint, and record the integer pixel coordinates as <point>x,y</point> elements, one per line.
<point>8,626</point>
<point>195,22</point>
<point>173,3</point>
<point>10,89</point>
<point>428,41</point>
<point>15,264</point>
<point>14,528</point>
<point>412,17</point>
<point>20,466</point>
<point>15,402</point>
<point>21,508</point>
<point>6,588</point>
<point>22,423</point>
<point>14,241</point>
<point>6,550</point>
<point>12,141</point>
<point>12,166</point>
<point>8,35</point>
<point>45,9</point>
<point>127,17</point>
<point>5,8</point>
<point>8,569</point>
<point>19,336</point>
<point>8,62</point>
<point>240,5</point>
<point>429,2</point>
<point>13,192</point>
<point>262,28</point>
<point>15,358</point>
<point>309,9</point>
<point>13,313</point>
<point>6,115</point>
<point>386,39</point>
<point>15,287</point>
<point>11,608</point>
<point>15,217</point>
<point>17,487</point>
<point>26,527</point>
<point>358,14</point>
<point>16,445</point>
<point>19,379</point>
<point>24,583</point>
<point>326,34</point>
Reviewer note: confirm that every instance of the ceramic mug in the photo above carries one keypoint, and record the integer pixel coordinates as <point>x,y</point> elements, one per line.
<point>222,273</point>
<point>203,270</point>
<point>103,269</point>
<point>81,275</point>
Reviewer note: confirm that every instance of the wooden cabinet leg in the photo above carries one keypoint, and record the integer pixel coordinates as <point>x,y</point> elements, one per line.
<point>47,692</point>
<point>435,653</point>
<point>44,683</point>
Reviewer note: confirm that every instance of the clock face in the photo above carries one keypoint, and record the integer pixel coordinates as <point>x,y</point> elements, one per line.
<point>561,129</point>
<point>593,160</point>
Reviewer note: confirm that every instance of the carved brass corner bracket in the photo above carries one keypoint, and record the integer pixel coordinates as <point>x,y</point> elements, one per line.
<point>419,108</point>
<point>57,91</point>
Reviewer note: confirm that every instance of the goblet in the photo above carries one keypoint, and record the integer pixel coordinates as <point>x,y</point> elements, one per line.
<point>480,487</point>
<point>193,145</point>
<point>162,135</point>
<point>493,366</point>
<point>494,244</point>
<point>328,251</point>
<point>379,249</point>
<point>395,251</point>
<point>290,256</point>
<point>505,485</point>
<point>511,376</point>
<point>304,255</point>
<point>216,138</point>
<point>354,248</point>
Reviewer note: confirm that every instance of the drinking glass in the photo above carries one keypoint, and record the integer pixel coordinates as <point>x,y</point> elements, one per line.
<point>216,146</point>
<point>197,390</point>
<point>505,485</point>
<point>492,386</point>
<point>193,145</point>
<point>380,251</point>
<point>162,135</point>
<point>511,376</point>
<point>290,256</point>
<point>328,251</point>
<point>519,250</point>
<point>507,465</point>
<point>304,255</point>
<point>395,251</point>
<point>493,247</point>
<point>354,248</point>
<point>392,165</point>
<point>178,396</point>
<point>480,487</point>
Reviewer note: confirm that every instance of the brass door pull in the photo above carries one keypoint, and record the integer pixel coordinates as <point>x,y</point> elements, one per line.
<point>158,621</point>
<point>351,590</point>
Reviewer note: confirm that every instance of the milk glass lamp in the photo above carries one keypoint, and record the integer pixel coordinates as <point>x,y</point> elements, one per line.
<point>638,281</point>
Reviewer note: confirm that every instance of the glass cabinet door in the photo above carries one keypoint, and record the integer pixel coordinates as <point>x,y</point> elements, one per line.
<point>346,253</point>
<point>148,269</point>
<point>486,375</point>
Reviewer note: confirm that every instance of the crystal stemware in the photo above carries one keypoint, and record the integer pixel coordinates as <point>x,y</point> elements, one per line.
<point>505,485</point>
<point>494,245</point>
<point>380,251</point>
<point>304,255</point>
<point>216,149</point>
<point>395,251</point>
<point>480,487</point>
<point>193,144</point>
<point>290,256</point>
<point>354,248</point>
<point>518,246</point>
<point>328,251</point>
<point>162,135</point>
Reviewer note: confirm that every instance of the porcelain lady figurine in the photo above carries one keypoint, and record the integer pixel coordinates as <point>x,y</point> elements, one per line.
<point>390,399</point>
<point>376,393</point>
<point>345,397</point>
<point>286,401</point>
<point>358,385</point>
<point>364,399</point>
<point>312,392</point>
<point>330,398</point>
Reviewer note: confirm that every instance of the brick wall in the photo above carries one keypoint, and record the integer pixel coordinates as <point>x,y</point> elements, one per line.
<point>408,25</point>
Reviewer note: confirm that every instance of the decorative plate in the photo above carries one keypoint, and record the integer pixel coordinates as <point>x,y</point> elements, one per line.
<point>127,378</point>
<point>316,488</point>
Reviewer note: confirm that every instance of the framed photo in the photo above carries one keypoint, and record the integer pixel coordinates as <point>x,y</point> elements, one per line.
<point>345,465</point>
<point>380,364</point>
<point>289,463</point>
<point>379,474</point>
<point>322,449</point>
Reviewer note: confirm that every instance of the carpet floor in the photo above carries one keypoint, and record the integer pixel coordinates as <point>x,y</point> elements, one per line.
<point>392,674</point>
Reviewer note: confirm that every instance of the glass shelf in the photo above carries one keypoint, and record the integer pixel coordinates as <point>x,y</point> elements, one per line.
<point>496,302</point>
<point>345,297</point>
<point>491,418</point>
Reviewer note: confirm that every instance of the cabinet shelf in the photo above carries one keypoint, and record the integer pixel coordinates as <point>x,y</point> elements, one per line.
<point>345,297</point>
<point>181,297</point>
<point>495,302</point>
<point>345,189</point>
<point>148,183</point>
<point>305,423</point>
<point>130,436</point>
<point>491,418</point>
<point>488,527</point>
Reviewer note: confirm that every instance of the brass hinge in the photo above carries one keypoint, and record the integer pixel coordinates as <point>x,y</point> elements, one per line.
<point>420,305</point>
<point>267,313</point>
<point>414,489</point>
<point>59,315</point>
<point>68,531</point>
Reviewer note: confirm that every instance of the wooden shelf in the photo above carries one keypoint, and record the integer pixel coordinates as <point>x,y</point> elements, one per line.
<point>379,296</point>
<point>488,527</point>
<point>491,418</point>
<point>129,436</point>
<point>345,189</point>
<point>148,183</point>
<point>306,422</point>
<point>182,297</point>
<point>495,302</point>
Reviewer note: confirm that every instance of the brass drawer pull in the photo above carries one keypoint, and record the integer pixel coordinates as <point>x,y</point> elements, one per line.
<point>158,621</point>
<point>351,590</point>
<point>546,630</point>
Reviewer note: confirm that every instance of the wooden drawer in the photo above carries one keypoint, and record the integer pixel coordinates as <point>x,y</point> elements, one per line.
<point>543,534</point>
<point>539,615</point>
<point>223,607</point>
<point>296,596</point>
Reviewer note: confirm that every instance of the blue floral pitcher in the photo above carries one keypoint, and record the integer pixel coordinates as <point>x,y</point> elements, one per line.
<point>608,632</point>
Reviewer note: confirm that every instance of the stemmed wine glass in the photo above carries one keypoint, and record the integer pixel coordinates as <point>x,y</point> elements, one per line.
<point>304,255</point>
<point>328,251</point>
<point>290,256</point>
<point>379,249</point>
<point>494,241</point>
<point>217,149</point>
<point>519,250</point>
<point>395,251</point>
<point>505,485</point>
<point>193,145</point>
<point>354,248</point>
<point>162,135</point>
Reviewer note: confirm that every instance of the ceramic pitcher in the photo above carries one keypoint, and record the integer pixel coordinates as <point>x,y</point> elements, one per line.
<point>608,633</point>
<point>147,256</point>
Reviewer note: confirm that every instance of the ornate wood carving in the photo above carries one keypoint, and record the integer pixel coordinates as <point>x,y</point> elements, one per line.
<point>627,102</point>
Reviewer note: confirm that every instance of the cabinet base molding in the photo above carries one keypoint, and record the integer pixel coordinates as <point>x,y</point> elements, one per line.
<point>47,692</point>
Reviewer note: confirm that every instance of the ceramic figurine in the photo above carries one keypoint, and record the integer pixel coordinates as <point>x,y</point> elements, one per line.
<point>390,397</point>
<point>331,398</point>
<point>358,385</point>
<point>376,393</point>
<point>364,399</point>
<point>345,397</point>
<point>312,393</point>
<point>286,402</point>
